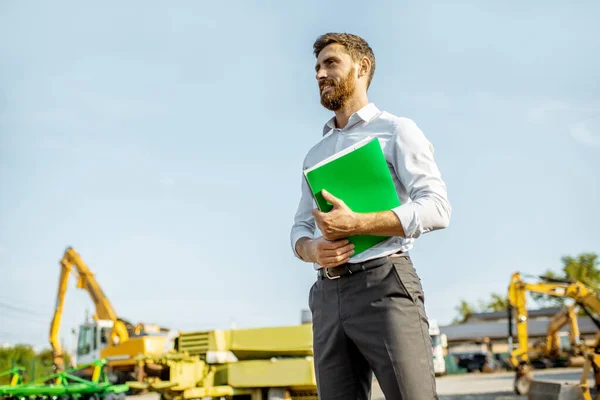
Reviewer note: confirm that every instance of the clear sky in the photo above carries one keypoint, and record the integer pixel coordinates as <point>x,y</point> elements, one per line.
<point>164,142</point>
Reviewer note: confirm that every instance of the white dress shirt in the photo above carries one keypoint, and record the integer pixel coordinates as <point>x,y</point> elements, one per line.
<point>422,192</point>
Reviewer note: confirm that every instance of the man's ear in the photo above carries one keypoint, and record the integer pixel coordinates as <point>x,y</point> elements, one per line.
<point>365,67</point>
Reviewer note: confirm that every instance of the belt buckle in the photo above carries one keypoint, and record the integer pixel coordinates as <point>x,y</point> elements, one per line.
<point>331,277</point>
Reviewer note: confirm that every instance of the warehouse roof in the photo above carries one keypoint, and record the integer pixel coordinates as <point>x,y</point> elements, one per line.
<point>499,329</point>
<point>499,315</point>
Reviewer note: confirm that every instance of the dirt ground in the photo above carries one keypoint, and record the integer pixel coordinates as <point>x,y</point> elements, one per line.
<point>497,386</point>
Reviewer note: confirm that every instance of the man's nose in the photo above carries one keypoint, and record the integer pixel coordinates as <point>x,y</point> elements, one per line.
<point>321,74</point>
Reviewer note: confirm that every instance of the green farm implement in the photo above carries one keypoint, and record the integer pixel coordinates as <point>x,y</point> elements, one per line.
<point>16,377</point>
<point>64,385</point>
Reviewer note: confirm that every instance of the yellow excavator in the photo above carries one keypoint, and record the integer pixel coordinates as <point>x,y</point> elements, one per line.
<point>554,351</point>
<point>107,336</point>
<point>585,298</point>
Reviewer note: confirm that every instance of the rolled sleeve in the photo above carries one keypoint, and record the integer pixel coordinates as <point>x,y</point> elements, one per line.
<point>429,208</point>
<point>304,223</point>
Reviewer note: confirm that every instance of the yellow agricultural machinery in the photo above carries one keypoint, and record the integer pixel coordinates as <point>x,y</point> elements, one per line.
<point>255,364</point>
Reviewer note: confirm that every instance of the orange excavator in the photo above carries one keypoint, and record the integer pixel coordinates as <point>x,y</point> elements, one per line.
<point>108,335</point>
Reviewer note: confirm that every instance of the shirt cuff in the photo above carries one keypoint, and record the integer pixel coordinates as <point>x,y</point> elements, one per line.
<point>297,235</point>
<point>409,219</point>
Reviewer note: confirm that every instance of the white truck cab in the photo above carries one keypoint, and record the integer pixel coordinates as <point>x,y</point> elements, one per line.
<point>439,342</point>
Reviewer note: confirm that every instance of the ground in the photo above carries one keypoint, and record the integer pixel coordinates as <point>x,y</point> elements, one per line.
<point>496,386</point>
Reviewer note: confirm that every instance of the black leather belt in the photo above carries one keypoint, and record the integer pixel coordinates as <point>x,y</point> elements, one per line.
<point>350,268</point>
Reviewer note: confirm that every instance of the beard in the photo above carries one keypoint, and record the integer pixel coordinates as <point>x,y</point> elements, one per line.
<point>339,93</point>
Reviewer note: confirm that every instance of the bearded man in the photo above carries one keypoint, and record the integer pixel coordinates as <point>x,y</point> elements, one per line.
<point>368,310</point>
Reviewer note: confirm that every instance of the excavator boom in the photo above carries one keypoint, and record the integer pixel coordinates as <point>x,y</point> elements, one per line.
<point>566,315</point>
<point>71,262</point>
<point>57,353</point>
<point>87,281</point>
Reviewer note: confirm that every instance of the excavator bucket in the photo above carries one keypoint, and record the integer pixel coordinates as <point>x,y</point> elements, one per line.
<point>541,390</point>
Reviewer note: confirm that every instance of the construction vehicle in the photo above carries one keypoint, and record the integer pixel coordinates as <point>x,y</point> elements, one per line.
<point>585,298</point>
<point>107,336</point>
<point>559,349</point>
<point>439,344</point>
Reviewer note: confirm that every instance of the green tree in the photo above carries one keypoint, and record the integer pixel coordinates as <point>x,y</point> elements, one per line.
<point>497,302</point>
<point>583,268</point>
<point>464,310</point>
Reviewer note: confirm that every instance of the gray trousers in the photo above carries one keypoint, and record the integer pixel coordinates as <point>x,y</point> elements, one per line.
<point>372,321</point>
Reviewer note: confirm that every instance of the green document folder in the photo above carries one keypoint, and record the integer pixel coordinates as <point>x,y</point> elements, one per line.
<point>359,175</point>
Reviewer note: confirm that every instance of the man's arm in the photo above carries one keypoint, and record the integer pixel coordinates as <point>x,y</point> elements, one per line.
<point>304,224</point>
<point>414,163</point>
<point>318,250</point>
<point>412,159</point>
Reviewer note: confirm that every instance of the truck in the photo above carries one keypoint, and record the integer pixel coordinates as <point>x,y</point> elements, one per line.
<point>476,355</point>
<point>439,344</point>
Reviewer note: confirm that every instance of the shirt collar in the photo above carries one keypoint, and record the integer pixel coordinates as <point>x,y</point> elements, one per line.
<point>364,114</point>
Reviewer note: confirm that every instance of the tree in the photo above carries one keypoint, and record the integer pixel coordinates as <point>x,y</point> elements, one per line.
<point>464,310</point>
<point>497,303</point>
<point>583,268</point>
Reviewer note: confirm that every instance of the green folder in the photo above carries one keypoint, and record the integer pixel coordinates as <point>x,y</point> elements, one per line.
<point>360,176</point>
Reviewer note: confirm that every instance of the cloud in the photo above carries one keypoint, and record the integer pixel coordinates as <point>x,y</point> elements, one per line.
<point>582,134</point>
<point>573,118</point>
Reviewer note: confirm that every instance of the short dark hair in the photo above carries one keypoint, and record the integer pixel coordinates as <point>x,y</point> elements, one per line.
<point>356,47</point>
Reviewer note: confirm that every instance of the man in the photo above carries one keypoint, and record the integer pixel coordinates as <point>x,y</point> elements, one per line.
<point>368,309</point>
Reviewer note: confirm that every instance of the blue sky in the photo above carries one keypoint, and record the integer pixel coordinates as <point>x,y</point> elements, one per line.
<point>164,142</point>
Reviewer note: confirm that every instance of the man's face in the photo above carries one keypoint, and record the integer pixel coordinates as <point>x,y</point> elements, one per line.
<point>336,76</point>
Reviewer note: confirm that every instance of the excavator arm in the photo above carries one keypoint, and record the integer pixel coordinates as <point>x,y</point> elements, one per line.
<point>566,316</point>
<point>71,262</point>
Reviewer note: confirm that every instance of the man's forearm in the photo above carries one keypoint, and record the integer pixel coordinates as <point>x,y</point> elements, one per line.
<point>304,250</point>
<point>384,223</point>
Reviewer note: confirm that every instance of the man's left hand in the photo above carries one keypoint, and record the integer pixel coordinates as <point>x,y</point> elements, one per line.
<point>340,222</point>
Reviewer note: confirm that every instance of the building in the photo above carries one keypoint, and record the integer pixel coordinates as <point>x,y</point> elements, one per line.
<point>494,325</point>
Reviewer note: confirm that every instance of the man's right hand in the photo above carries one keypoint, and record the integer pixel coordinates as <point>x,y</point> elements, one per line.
<point>326,253</point>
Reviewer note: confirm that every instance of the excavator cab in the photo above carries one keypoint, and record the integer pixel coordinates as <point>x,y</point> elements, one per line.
<point>92,337</point>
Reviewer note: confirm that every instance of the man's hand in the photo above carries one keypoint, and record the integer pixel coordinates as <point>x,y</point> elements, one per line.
<point>325,252</point>
<point>341,222</point>
<point>338,223</point>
